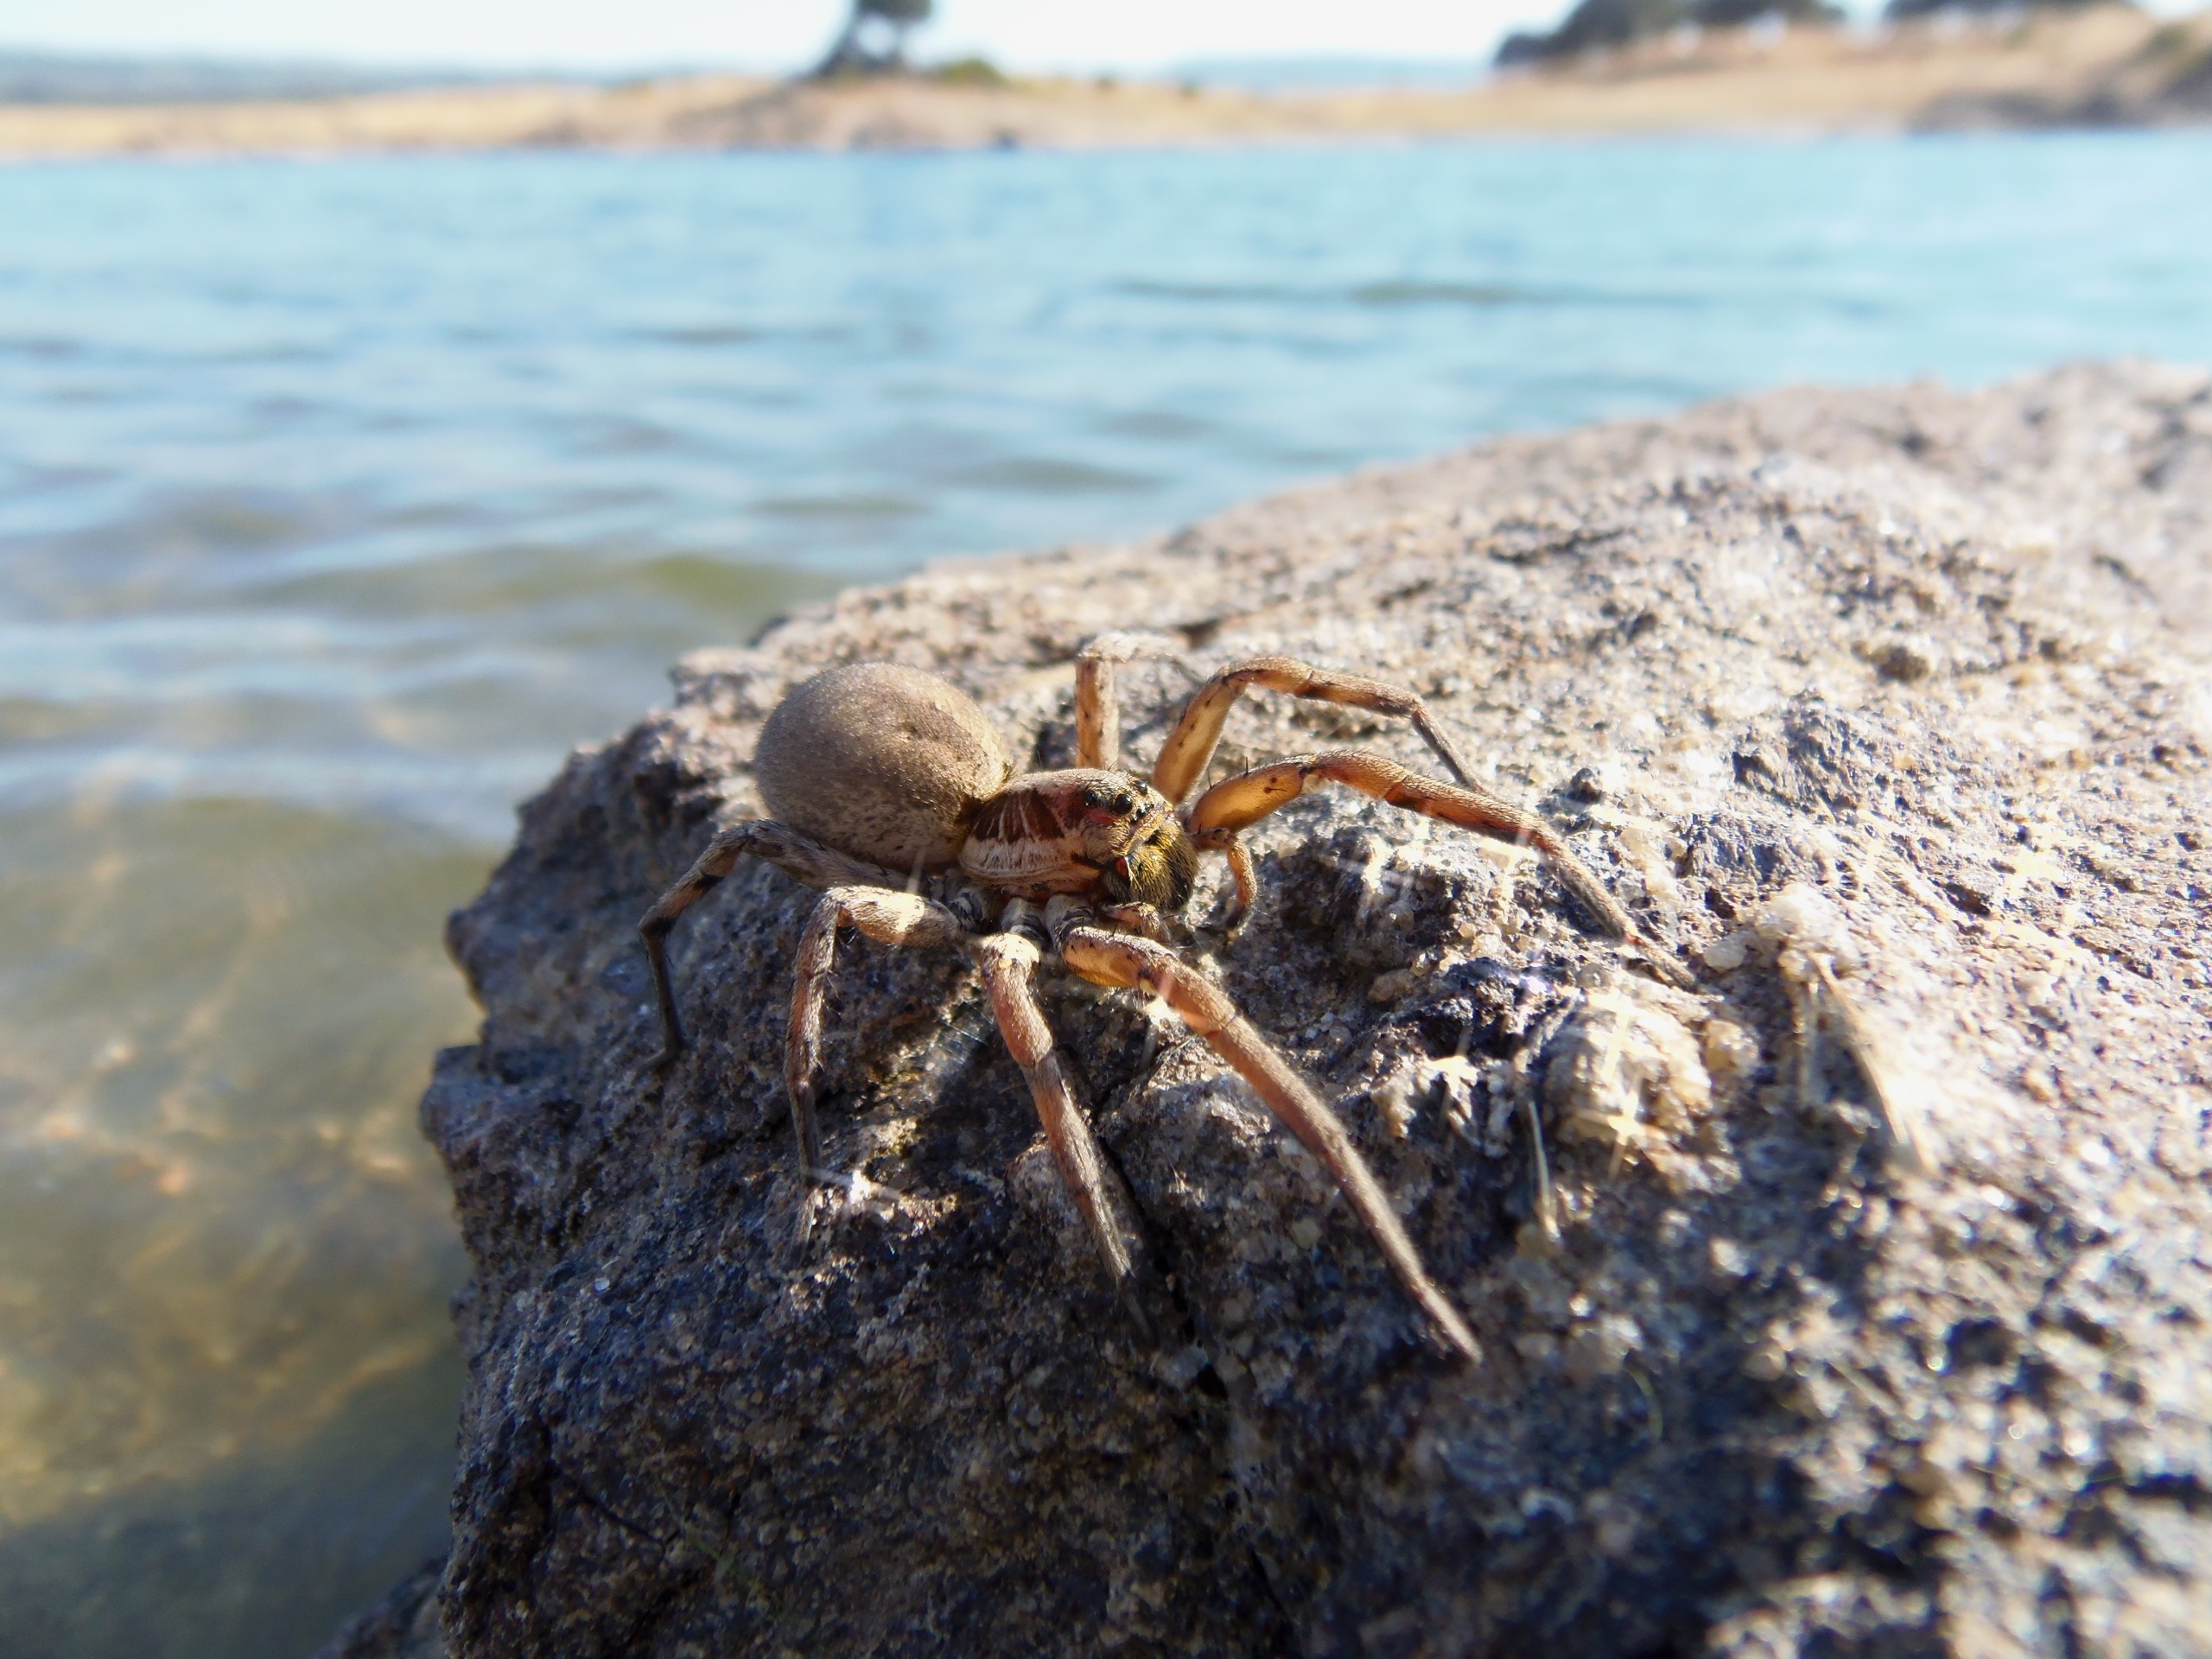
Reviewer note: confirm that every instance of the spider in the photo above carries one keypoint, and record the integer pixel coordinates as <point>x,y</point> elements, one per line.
<point>873,770</point>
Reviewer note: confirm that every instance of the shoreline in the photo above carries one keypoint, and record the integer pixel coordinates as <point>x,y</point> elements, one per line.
<point>2109,66</point>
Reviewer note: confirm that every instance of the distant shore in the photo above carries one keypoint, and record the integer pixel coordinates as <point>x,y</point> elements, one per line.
<point>2105,66</point>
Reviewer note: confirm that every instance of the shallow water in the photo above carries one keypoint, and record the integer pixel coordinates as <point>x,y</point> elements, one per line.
<point>336,499</point>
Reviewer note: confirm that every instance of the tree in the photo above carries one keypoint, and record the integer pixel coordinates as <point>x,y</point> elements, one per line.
<point>874,39</point>
<point>1898,11</point>
<point>1596,23</point>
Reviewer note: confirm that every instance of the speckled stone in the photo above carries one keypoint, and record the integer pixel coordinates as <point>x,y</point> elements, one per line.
<point>1889,708</point>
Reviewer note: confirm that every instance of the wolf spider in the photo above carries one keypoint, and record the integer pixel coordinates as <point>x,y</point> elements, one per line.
<point>872,771</point>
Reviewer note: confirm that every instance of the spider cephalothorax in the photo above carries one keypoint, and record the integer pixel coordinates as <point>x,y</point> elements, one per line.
<point>1085,830</point>
<point>878,776</point>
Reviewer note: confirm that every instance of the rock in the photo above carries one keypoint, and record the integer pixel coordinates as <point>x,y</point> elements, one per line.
<point>1900,699</point>
<point>403,1625</point>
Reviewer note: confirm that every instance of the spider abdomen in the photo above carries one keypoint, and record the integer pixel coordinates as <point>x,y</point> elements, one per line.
<point>883,762</point>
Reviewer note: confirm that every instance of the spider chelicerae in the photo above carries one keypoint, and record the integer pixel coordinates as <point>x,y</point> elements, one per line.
<point>894,795</point>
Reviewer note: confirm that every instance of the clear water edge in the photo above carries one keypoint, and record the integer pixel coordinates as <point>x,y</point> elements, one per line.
<point>336,500</point>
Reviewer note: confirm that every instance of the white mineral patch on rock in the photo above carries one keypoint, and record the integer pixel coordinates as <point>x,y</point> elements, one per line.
<point>1625,1072</point>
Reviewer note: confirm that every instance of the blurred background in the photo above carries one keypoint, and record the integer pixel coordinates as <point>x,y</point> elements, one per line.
<point>388,394</point>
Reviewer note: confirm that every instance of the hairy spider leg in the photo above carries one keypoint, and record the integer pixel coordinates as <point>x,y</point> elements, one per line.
<point>1183,757</point>
<point>889,917</point>
<point>1098,709</point>
<point>1118,959</point>
<point>1009,963</point>
<point>1225,842</point>
<point>1236,803</point>
<point>1239,802</point>
<point>801,857</point>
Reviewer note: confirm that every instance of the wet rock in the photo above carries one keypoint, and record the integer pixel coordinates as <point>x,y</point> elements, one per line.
<point>1899,698</point>
<point>403,1625</point>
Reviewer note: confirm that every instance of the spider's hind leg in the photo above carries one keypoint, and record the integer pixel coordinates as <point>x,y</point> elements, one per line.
<point>885,916</point>
<point>1098,709</point>
<point>800,856</point>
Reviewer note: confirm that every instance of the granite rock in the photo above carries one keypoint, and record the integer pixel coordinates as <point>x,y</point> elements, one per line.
<point>1858,1305</point>
<point>403,1625</point>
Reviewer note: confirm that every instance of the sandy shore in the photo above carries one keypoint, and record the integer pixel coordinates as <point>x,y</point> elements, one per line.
<point>2110,65</point>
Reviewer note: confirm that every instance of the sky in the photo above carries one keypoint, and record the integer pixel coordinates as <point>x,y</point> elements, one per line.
<point>593,34</point>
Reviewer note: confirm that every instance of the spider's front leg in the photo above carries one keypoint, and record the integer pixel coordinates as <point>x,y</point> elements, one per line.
<point>1184,756</point>
<point>1216,818</point>
<point>1236,803</point>
<point>1009,961</point>
<point>1118,959</point>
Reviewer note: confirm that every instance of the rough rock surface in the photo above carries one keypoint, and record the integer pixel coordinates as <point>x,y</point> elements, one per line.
<point>1875,1322</point>
<point>403,1625</point>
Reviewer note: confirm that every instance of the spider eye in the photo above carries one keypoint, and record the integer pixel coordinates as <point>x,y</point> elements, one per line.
<point>1122,805</point>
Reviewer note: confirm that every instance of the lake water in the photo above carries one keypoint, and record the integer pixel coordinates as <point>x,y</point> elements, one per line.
<point>337,500</point>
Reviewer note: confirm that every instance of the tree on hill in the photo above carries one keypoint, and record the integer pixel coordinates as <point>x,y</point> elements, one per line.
<point>1899,11</point>
<point>874,39</point>
<point>1596,23</point>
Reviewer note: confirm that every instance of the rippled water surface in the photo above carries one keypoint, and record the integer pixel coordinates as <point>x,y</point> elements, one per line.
<point>336,499</point>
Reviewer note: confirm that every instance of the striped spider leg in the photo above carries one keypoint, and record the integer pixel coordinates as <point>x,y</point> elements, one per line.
<point>1236,804</point>
<point>1106,957</point>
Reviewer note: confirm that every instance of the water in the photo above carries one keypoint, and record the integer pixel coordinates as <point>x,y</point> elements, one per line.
<point>337,499</point>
